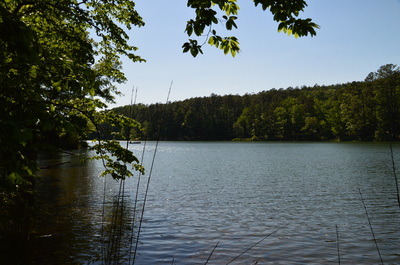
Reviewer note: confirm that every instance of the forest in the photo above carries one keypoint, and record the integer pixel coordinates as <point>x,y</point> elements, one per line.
<point>365,110</point>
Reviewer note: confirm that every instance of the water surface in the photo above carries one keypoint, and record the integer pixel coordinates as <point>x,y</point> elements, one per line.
<point>295,203</point>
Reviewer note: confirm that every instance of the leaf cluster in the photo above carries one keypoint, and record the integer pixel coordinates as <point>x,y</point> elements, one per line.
<point>59,62</point>
<point>285,12</point>
<point>116,159</point>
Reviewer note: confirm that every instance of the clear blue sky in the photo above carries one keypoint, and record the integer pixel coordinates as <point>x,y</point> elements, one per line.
<point>356,37</point>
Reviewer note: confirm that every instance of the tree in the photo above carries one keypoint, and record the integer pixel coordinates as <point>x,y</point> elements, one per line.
<point>247,124</point>
<point>387,95</point>
<point>55,75</point>
<point>55,80</point>
<point>357,110</point>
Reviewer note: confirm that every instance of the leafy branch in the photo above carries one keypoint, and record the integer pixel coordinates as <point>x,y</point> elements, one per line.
<point>284,12</point>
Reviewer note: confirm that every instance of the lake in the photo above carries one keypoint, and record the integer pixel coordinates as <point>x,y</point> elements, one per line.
<point>255,203</point>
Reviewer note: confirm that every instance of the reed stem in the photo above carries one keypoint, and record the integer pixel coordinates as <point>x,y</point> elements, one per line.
<point>395,177</point>
<point>209,257</point>
<point>148,180</point>
<point>255,244</point>
<point>370,226</point>
<point>337,241</point>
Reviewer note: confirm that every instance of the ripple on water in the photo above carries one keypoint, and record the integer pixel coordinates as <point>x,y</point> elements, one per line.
<point>284,199</point>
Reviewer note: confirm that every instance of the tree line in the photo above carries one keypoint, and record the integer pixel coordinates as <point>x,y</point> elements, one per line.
<point>366,110</point>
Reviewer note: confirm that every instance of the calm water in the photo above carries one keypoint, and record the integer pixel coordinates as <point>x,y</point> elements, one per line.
<point>289,197</point>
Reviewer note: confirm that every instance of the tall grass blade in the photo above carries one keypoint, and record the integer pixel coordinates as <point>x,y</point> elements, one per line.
<point>209,257</point>
<point>337,241</point>
<point>148,181</point>
<point>370,226</point>
<point>395,177</point>
<point>255,244</point>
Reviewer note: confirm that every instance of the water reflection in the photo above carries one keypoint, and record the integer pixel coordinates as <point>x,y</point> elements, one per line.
<point>70,196</point>
<point>80,217</point>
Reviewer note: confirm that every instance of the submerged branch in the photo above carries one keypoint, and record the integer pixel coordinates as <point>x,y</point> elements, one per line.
<point>54,165</point>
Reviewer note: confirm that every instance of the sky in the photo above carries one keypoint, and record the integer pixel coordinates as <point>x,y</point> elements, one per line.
<point>355,38</point>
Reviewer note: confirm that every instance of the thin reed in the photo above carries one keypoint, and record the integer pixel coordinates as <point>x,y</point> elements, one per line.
<point>255,244</point>
<point>337,243</point>
<point>394,174</point>
<point>370,226</point>
<point>148,180</point>
<point>209,257</point>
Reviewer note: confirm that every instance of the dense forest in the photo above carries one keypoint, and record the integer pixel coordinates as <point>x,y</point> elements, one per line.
<point>366,111</point>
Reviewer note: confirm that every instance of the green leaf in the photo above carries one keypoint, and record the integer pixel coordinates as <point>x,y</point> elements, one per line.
<point>186,47</point>
<point>92,92</point>
<point>189,28</point>
<point>194,51</point>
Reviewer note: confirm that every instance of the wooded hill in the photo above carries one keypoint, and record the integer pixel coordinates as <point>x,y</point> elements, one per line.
<point>367,111</point>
